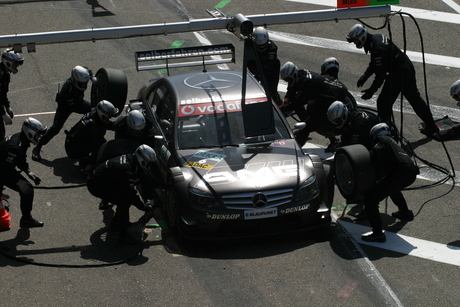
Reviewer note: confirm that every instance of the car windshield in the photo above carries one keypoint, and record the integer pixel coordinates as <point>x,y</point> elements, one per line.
<point>208,125</point>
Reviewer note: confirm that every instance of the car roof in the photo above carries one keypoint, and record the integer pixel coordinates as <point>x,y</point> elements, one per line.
<point>215,85</point>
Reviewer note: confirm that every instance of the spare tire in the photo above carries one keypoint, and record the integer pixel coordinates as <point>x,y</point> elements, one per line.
<point>111,85</point>
<point>354,172</point>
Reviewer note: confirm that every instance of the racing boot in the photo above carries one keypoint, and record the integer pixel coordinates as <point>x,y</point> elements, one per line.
<point>29,222</point>
<point>404,215</point>
<point>374,237</point>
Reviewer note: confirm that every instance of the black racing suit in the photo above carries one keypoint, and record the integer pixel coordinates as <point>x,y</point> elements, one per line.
<point>270,69</point>
<point>394,171</point>
<point>356,130</point>
<point>115,181</point>
<point>350,101</point>
<point>125,142</point>
<point>85,138</point>
<point>120,126</point>
<point>70,100</point>
<point>4,102</point>
<point>13,151</point>
<point>395,71</point>
<point>319,92</point>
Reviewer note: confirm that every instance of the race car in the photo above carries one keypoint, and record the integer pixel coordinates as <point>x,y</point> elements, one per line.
<point>227,154</point>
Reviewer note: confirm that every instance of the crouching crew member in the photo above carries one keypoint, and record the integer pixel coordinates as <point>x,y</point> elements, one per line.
<point>13,160</point>
<point>134,126</point>
<point>354,125</point>
<point>87,135</point>
<point>117,180</point>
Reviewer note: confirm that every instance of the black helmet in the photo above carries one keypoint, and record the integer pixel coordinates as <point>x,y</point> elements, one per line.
<point>80,76</point>
<point>33,129</point>
<point>289,72</point>
<point>357,35</point>
<point>136,122</point>
<point>9,57</point>
<point>105,110</point>
<point>260,37</point>
<point>455,91</point>
<point>146,157</point>
<point>379,129</point>
<point>330,63</point>
<point>337,113</point>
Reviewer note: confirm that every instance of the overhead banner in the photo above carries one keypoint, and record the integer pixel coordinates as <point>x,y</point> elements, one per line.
<point>341,4</point>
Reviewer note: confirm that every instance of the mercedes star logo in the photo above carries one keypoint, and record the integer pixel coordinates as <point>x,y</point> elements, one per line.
<point>214,80</point>
<point>259,200</point>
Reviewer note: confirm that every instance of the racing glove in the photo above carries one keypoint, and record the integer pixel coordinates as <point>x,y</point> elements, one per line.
<point>362,80</point>
<point>367,94</point>
<point>150,204</point>
<point>24,187</point>
<point>143,206</point>
<point>7,119</point>
<point>34,178</point>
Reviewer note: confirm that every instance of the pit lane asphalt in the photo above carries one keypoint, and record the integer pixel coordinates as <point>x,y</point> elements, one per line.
<point>276,271</point>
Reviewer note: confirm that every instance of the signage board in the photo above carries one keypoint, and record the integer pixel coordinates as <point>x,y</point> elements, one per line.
<point>341,4</point>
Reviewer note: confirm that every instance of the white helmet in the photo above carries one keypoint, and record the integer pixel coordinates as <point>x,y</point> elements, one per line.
<point>289,72</point>
<point>9,57</point>
<point>455,91</point>
<point>379,129</point>
<point>260,37</point>
<point>358,35</point>
<point>330,63</point>
<point>33,129</point>
<point>80,77</point>
<point>136,122</point>
<point>146,157</point>
<point>105,110</point>
<point>337,113</point>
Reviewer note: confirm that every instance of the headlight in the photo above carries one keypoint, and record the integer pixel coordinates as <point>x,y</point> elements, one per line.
<point>202,199</point>
<point>308,189</point>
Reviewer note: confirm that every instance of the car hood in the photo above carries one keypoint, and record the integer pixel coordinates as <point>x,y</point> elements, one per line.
<point>247,168</point>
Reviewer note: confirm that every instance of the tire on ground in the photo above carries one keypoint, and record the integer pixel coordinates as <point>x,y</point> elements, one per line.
<point>111,85</point>
<point>354,172</point>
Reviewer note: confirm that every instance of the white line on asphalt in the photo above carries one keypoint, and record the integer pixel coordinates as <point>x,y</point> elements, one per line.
<point>371,271</point>
<point>407,245</point>
<point>333,44</point>
<point>417,13</point>
<point>453,5</point>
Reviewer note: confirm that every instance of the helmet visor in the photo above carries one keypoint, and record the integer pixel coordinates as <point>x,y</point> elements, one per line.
<point>337,121</point>
<point>289,79</point>
<point>39,134</point>
<point>457,98</point>
<point>81,85</point>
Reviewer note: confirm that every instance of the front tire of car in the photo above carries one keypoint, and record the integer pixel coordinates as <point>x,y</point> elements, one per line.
<point>172,211</point>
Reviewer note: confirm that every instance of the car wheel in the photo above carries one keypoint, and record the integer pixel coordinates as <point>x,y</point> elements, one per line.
<point>354,172</point>
<point>172,212</point>
<point>111,85</point>
<point>329,185</point>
